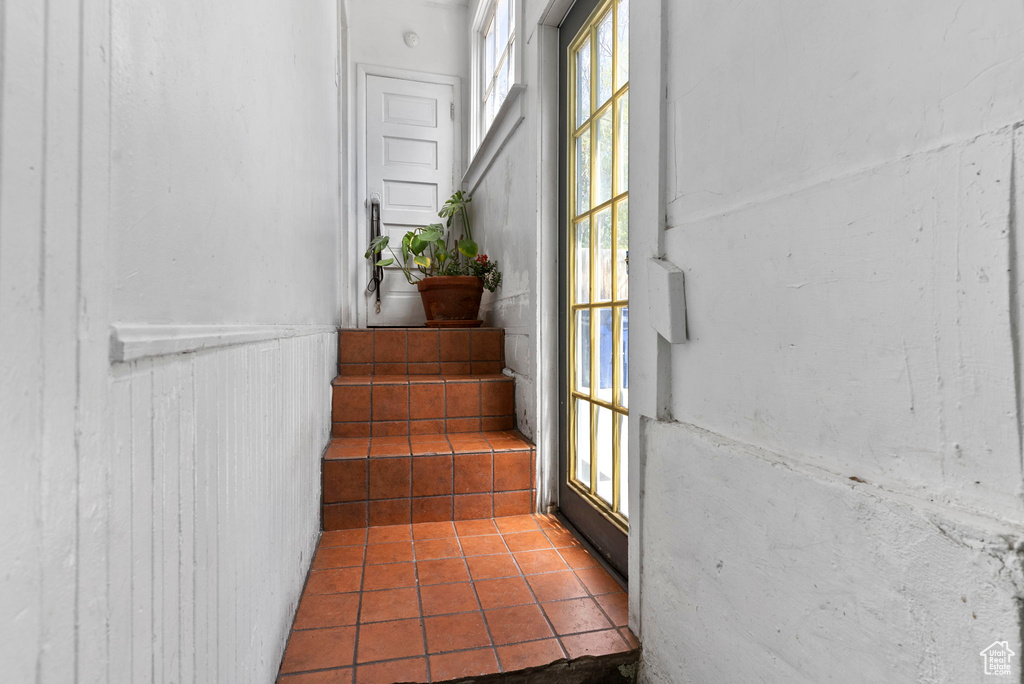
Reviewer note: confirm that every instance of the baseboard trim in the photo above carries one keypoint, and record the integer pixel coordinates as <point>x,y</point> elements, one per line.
<point>130,342</point>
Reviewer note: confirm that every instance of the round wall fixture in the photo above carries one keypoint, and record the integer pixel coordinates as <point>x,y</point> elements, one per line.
<point>411,39</point>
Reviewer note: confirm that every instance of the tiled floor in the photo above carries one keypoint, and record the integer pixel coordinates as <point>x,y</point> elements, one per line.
<point>432,602</point>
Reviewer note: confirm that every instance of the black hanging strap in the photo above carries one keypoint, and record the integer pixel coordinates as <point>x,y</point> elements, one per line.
<point>378,271</point>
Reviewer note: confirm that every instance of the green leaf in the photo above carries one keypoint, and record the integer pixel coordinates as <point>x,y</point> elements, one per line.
<point>422,261</point>
<point>433,232</point>
<point>418,244</point>
<point>377,245</point>
<point>468,247</point>
<point>385,262</point>
<point>405,247</point>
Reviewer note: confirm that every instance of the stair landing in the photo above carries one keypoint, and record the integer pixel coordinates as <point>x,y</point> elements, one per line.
<point>511,599</point>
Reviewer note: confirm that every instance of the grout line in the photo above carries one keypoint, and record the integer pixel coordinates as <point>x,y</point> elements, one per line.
<point>419,599</point>
<point>444,584</point>
<point>458,538</point>
<point>529,588</point>
<point>461,650</point>
<point>492,487</point>
<point>592,596</point>
<point>359,609</point>
<point>367,514</point>
<point>479,603</point>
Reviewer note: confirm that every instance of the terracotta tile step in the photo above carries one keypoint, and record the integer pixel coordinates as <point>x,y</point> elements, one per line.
<point>402,480</point>
<point>341,448</point>
<point>421,379</point>
<point>420,350</point>
<point>438,602</point>
<point>389,405</point>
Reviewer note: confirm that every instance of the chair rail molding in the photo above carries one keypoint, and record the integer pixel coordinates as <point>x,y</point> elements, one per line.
<point>133,341</point>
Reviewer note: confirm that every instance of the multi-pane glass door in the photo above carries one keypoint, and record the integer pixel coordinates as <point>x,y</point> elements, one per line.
<point>597,173</point>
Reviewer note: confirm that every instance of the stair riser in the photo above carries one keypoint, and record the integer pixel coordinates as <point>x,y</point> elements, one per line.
<point>397,490</point>
<point>401,408</point>
<point>420,351</point>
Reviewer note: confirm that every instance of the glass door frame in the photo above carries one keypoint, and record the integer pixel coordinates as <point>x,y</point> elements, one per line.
<point>596,519</point>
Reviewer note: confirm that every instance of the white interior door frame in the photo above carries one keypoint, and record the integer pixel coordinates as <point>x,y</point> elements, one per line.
<point>358,236</point>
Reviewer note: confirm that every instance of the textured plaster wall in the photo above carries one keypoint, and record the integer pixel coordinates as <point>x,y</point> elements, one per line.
<point>505,212</point>
<point>162,162</point>
<point>225,170</point>
<point>833,491</point>
<point>509,208</point>
<point>761,570</point>
<point>379,27</point>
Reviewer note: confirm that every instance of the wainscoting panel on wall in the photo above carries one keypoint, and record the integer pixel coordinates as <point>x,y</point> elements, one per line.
<point>214,506</point>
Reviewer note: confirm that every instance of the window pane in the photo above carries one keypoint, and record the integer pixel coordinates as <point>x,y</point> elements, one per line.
<point>501,20</point>
<point>583,172</point>
<point>623,46</point>
<point>490,110</point>
<point>489,62</point>
<point>581,362</point>
<point>603,266</point>
<point>582,258</point>
<point>502,85</point>
<point>583,441</point>
<point>622,129</point>
<point>623,464</point>
<point>583,84</point>
<point>622,250</point>
<point>605,354</point>
<point>604,446</point>
<point>623,354</point>
<point>605,63</point>
<point>603,187</point>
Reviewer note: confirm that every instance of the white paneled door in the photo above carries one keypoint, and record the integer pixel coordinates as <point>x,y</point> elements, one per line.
<point>410,171</point>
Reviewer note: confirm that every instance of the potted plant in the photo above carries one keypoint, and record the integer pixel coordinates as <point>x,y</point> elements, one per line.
<point>445,265</point>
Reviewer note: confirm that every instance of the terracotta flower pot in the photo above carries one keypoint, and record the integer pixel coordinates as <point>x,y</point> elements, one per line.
<point>451,301</point>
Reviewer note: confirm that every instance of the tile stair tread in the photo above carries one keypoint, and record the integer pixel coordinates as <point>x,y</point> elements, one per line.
<point>499,442</point>
<point>421,328</point>
<point>412,379</point>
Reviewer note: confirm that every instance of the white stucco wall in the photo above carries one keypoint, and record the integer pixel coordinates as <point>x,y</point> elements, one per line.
<point>379,27</point>
<point>757,569</point>
<point>225,207</point>
<point>515,210</point>
<point>54,372</point>
<point>505,210</point>
<point>224,137</point>
<point>163,163</point>
<point>838,184</point>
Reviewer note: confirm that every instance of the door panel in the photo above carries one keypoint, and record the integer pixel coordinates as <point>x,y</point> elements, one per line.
<point>594,280</point>
<point>410,167</point>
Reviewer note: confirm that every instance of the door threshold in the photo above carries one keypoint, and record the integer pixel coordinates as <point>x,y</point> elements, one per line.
<point>598,556</point>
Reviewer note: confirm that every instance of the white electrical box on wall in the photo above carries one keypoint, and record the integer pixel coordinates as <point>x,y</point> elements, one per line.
<point>667,300</point>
